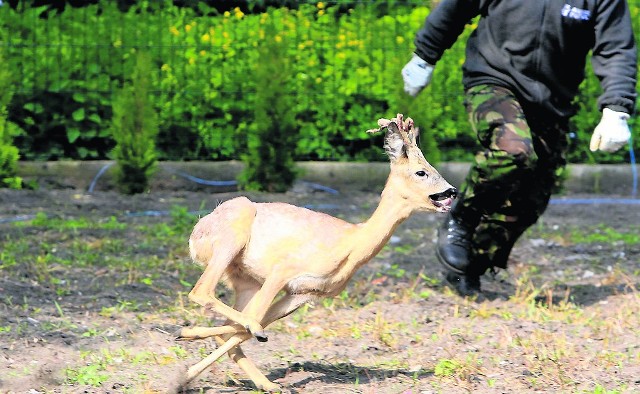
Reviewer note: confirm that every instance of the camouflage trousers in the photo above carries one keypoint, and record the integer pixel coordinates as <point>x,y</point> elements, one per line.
<point>509,186</point>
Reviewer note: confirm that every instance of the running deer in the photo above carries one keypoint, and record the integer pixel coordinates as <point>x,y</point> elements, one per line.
<point>261,249</point>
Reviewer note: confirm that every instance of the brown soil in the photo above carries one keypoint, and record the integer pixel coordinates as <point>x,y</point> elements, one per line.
<point>563,318</point>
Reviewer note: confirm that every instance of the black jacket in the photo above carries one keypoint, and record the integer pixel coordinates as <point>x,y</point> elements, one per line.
<point>538,48</point>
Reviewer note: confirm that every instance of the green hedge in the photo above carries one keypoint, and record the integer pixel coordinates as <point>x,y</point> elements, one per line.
<point>345,73</point>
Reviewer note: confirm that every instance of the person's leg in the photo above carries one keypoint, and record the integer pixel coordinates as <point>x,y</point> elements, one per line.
<point>508,157</point>
<point>496,235</point>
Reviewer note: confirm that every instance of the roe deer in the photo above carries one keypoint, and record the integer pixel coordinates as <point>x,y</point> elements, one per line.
<point>261,249</point>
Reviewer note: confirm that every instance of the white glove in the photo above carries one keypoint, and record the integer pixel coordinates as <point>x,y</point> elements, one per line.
<point>416,75</point>
<point>612,133</point>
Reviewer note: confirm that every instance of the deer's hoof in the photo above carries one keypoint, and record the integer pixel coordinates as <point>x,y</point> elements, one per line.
<point>177,335</point>
<point>259,334</point>
<point>270,387</point>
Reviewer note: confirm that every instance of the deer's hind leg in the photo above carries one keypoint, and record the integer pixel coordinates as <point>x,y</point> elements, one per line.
<point>203,294</point>
<point>244,288</point>
<point>218,240</point>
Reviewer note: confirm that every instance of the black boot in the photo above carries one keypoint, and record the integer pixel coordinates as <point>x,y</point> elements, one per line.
<point>454,250</point>
<point>466,285</point>
<point>454,245</point>
<point>454,253</point>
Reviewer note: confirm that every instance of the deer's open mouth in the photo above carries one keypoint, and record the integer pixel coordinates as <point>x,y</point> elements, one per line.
<point>443,201</point>
<point>443,205</point>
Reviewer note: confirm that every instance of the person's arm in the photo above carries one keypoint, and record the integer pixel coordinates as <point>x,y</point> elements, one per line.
<point>441,29</point>
<point>615,56</point>
<point>443,26</point>
<point>614,62</point>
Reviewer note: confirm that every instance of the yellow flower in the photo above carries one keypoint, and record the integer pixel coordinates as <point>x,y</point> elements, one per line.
<point>227,14</point>
<point>187,28</point>
<point>319,80</point>
<point>192,60</point>
<point>278,38</point>
<point>165,67</point>
<point>399,39</point>
<point>205,37</point>
<point>238,12</point>
<point>320,12</point>
<point>320,5</point>
<point>203,52</point>
<point>173,30</point>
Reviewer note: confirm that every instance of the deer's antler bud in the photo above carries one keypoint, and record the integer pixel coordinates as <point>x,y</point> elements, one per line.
<point>405,127</point>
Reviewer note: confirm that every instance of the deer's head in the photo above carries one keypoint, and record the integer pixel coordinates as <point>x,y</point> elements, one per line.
<point>412,177</point>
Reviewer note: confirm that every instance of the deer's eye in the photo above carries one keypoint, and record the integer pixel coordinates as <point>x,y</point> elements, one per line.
<point>421,173</point>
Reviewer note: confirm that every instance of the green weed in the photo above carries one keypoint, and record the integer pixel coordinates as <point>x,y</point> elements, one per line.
<point>42,220</point>
<point>458,369</point>
<point>446,367</point>
<point>92,375</point>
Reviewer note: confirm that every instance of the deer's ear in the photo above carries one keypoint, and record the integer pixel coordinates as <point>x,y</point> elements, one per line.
<point>393,143</point>
<point>413,135</point>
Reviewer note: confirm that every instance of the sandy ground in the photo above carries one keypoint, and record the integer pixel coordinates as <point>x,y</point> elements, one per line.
<point>562,318</point>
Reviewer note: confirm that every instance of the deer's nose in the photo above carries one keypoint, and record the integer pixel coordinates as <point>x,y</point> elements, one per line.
<point>449,193</point>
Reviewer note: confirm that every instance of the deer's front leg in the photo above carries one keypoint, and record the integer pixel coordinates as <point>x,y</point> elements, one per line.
<point>229,344</point>
<point>286,305</point>
<point>261,302</point>
<point>258,378</point>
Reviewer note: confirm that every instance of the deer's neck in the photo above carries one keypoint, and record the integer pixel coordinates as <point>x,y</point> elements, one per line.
<point>391,211</point>
<point>371,236</point>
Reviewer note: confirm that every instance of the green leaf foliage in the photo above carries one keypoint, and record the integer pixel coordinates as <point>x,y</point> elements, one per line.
<point>344,61</point>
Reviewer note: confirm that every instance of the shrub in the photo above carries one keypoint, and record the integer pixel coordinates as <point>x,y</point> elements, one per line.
<point>9,154</point>
<point>345,60</point>
<point>269,164</point>
<point>134,129</point>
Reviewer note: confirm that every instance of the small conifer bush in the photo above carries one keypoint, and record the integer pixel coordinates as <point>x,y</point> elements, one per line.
<point>9,154</point>
<point>134,129</point>
<point>272,139</point>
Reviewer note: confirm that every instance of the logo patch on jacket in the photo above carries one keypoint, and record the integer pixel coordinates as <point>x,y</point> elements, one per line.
<point>575,13</point>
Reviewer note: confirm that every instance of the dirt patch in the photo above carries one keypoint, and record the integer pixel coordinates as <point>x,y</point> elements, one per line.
<point>93,288</point>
